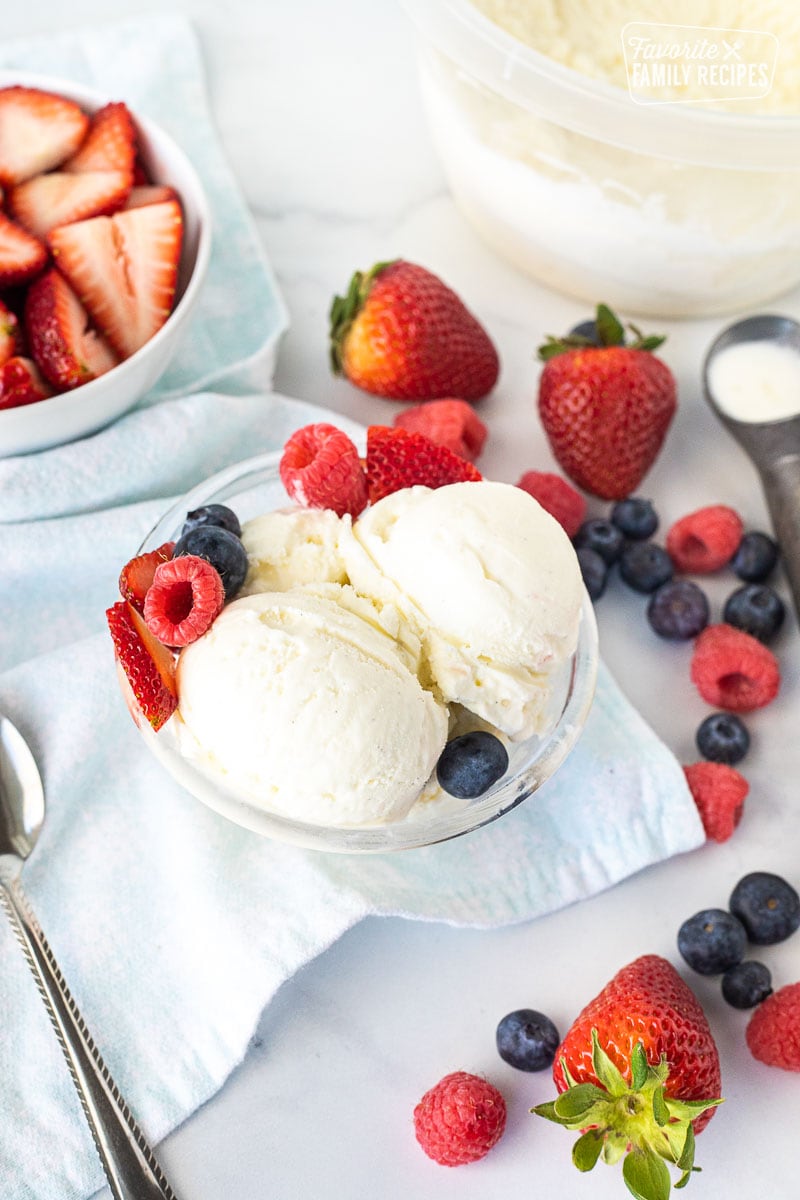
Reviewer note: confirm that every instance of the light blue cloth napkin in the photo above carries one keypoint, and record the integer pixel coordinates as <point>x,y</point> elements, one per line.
<point>174,927</point>
<point>153,64</point>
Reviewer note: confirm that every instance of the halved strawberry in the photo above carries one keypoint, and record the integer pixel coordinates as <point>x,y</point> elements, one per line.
<point>38,131</point>
<point>110,144</point>
<point>149,667</point>
<point>137,575</point>
<point>21,383</point>
<point>398,459</point>
<point>124,268</point>
<point>150,193</point>
<point>42,203</point>
<point>21,255</point>
<point>10,340</point>
<point>68,351</point>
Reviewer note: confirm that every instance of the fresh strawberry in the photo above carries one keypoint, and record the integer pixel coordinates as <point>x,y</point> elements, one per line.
<point>400,332</point>
<point>137,575</point>
<point>148,666</point>
<point>124,269</point>
<point>605,409</point>
<point>398,459</point>
<point>21,255</point>
<point>42,203</point>
<point>67,351</point>
<point>21,383</point>
<point>38,131</point>
<point>110,144</point>
<point>10,340</point>
<point>451,423</point>
<point>149,193</point>
<point>640,1076</point>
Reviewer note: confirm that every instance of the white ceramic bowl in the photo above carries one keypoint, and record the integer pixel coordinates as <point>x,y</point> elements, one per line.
<point>254,487</point>
<point>666,209</point>
<point>88,408</point>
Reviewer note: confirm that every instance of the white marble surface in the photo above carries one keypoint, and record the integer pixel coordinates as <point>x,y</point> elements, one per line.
<point>319,110</point>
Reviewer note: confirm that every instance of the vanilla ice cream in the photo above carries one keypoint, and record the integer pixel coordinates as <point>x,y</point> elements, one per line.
<point>293,546</point>
<point>489,583</point>
<point>306,706</point>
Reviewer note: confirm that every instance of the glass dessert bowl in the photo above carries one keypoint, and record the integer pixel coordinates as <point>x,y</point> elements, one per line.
<point>253,488</point>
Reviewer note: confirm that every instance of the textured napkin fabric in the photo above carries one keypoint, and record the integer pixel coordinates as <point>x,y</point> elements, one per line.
<point>174,927</point>
<point>154,65</point>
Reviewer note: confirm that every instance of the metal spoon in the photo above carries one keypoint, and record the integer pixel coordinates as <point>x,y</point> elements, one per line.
<point>131,1167</point>
<point>773,446</point>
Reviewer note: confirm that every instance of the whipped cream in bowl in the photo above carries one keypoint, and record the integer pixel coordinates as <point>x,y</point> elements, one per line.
<point>315,708</point>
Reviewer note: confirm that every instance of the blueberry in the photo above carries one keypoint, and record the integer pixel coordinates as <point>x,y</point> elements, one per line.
<point>602,537</point>
<point>212,514</point>
<point>757,609</point>
<point>746,984</point>
<point>755,558</point>
<point>723,738</point>
<point>586,329</point>
<point>711,941</point>
<point>635,517</point>
<point>471,763</point>
<point>645,566</point>
<point>222,549</point>
<point>767,906</point>
<point>594,571</point>
<point>678,610</point>
<point>527,1040</point>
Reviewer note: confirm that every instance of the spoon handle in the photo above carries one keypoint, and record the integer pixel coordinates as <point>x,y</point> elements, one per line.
<point>781,480</point>
<point>132,1170</point>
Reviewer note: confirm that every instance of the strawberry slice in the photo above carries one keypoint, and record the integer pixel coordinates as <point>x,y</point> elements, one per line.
<point>21,255</point>
<point>398,459</point>
<point>137,575</point>
<point>21,383</point>
<point>150,193</point>
<point>124,268</point>
<point>10,339</point>
<point>110,144</point>
<point>38,131</point>
<point>42,203</point>
<point>148,666</point>
<point>67,350</point>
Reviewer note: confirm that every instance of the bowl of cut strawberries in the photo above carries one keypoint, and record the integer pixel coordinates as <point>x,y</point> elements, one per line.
<point>105,238</point>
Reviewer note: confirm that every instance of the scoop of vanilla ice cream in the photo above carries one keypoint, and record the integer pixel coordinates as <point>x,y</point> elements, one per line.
<point>293,546</point>
<point>489,583</point>
<point>305,706</point>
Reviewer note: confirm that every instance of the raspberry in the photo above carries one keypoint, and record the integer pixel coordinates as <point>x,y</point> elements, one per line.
<point>719,792</point>
<point>185,597</point>
<point>450,423</point>
<point>773,1033</point>
<point>705,540</point>
<point>320,468</point>
<point>733,670</point>
<point>137,575</point>
<point>398,459</point>
<point>557,497</point>
<point>460,1119</point>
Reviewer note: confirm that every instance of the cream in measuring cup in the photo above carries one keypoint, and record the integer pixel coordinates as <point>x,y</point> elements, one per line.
<point>756,381</point>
